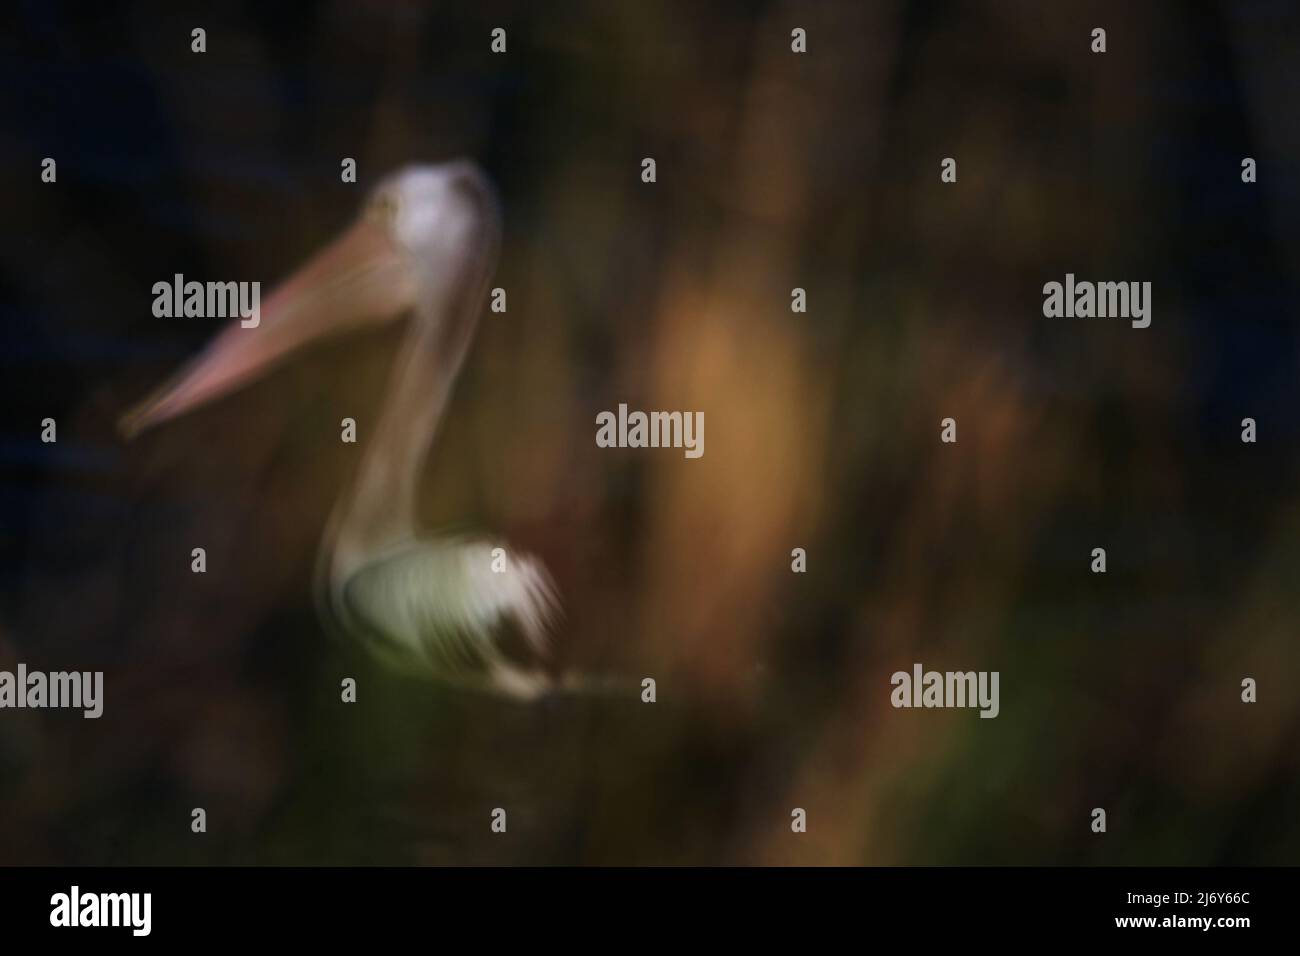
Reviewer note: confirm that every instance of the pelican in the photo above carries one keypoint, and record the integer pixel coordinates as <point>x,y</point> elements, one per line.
<point>423,248</point>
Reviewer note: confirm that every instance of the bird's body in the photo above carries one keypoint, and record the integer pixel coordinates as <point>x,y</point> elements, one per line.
<point>423,250</point>
<point>440,600</point>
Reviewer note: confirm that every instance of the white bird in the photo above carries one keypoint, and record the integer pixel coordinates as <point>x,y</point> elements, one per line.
<point>424,248</point>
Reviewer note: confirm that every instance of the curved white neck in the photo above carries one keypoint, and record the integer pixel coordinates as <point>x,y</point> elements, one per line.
<point>379,510</point>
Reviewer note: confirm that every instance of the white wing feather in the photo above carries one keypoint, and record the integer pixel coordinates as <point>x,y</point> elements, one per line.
<point>439,605</point>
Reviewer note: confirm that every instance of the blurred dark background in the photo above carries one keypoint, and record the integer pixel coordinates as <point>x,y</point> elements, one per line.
<point>775,170</point>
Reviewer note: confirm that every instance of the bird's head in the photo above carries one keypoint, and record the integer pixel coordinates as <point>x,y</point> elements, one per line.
<point>424,242</point>
<point>434,213</point>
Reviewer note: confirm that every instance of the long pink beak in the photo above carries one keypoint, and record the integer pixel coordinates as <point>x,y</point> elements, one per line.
<point>359,279</point>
